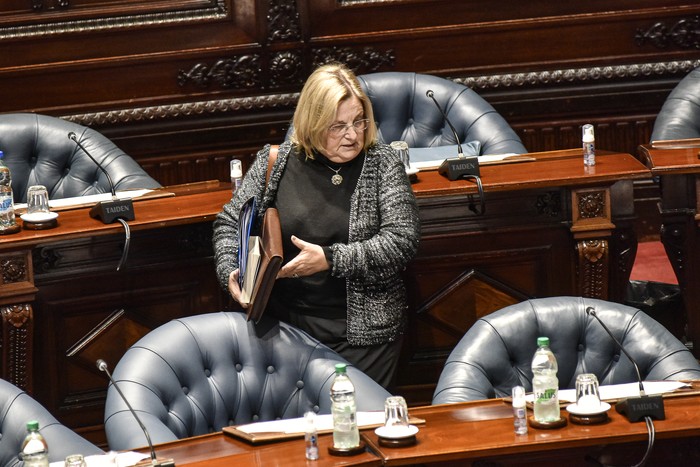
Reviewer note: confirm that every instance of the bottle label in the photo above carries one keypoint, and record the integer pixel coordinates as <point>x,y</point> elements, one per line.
<point>6,204</point>
<point>546,395</point>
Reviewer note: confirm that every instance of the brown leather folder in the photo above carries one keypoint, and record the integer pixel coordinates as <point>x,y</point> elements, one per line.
<point>270,264</point>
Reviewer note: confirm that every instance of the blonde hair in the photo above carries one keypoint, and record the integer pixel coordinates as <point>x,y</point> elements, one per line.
<point>324,90</point>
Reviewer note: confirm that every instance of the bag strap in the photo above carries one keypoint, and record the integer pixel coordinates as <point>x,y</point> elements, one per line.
<point>274,149</point>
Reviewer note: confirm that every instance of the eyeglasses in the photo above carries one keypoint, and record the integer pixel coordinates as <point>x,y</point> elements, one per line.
<point>341,129</point>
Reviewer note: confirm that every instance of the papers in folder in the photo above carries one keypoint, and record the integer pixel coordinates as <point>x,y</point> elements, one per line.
<point>249,250</point>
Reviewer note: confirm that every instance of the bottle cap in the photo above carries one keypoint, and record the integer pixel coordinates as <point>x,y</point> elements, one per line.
<point>236,168</point>
<point>33,425</point>
<point>310,418</point>
<point>341,368</point>
<point>543,342</point>
<point>588,135</point>
<point>518,396</point>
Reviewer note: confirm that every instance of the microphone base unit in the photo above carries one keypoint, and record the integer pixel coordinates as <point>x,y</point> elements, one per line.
<point>637,408</point>
<point>155,463</point>
<point>456,168</point>
<point>109,211</point>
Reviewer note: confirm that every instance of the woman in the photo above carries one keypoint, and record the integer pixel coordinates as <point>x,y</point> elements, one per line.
<point>349,225</point>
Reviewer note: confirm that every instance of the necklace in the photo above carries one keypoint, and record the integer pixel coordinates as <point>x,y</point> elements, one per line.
<point>336,179</point>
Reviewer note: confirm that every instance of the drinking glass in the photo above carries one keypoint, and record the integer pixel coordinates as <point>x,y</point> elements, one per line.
<point>37,200</point>
<point>75,460</point>
<point>401,148</point>
<point>587,394</point>
<point>395,412</point>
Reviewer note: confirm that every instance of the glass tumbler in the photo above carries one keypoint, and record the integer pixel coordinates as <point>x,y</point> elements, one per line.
<point>401,148</point>
<point>587,393</point>
<point>37,200</point>
<point>395,412</point>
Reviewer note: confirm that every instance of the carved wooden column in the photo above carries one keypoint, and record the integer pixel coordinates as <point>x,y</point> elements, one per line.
<point>17,293</point>
<point>592,227</point>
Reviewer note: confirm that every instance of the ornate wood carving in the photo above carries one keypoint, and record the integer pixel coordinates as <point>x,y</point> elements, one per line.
<point>591,205</point>
<point>684,34</point>
<point>360,60</point>
<point>239,73</point>
<point>283,21</point>
<point>13,269</point>
<point>17,323</point>
<point>549,204</point>
<point>593,268</point>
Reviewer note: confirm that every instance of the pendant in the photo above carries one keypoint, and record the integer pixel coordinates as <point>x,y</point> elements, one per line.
<point>337,179</point>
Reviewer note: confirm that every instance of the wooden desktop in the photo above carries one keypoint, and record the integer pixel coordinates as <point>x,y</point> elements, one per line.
<point>476,433</point>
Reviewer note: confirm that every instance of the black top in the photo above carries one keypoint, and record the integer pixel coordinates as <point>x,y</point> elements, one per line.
<point>315,210</point>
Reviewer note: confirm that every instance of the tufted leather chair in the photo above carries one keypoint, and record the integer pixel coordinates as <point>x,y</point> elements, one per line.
<point>198,374</point>
<point>38,152</point>
<point>679,117</point>
<point>404,112</point>
<point>16,409</point>
<point>496,353</point>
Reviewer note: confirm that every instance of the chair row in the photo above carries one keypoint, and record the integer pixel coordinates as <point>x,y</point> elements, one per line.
<point>198,374</point>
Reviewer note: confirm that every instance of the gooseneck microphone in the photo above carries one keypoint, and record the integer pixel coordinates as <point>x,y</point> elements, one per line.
<point>462,166</point>
<point>107,211</point>
<point>154,461</point>
<point>634,408</point>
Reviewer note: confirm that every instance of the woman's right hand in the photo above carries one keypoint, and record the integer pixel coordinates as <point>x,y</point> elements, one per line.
<point>233,287</point>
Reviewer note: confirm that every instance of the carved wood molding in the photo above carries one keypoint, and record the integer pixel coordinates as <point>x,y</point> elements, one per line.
<point>215,11</point>
<point>14,269</point>
<point>578,75</point>
<point>684,34</point>
<point>593,268</point>
<point>17,323</point>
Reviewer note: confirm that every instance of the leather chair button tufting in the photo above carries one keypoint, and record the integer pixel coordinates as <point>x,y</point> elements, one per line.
<point>580,347</point>
<point>316,408</point>
<point>270,369</point>
<point>255,418</point>
<point>300,384</point>
<point>207,373</point>
<point>616,357</point>
<point>239,367</point>
<point>185,389</point>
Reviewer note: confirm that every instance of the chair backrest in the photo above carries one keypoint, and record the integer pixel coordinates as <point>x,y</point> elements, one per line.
<point>16,409</point>
<point>679,117</point>
<point>198,374</point>
<point>38,152</point>
<point>404,112</point>
<point>496,353</point>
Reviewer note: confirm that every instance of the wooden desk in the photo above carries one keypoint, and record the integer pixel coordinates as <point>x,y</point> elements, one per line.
<point>678,170</point>
<point>64,305</point>
<point>474,433</point>
<point>552,227</point>
<point>219,450</point>
<point>481,433</point>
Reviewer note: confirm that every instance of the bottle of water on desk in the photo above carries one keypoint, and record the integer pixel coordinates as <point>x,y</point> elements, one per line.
<point>545,385</point>
<point>35,451</point>
<point>345,432</point>
<point>8,224</point>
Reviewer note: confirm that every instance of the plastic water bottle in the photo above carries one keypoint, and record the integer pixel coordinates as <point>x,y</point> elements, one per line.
<point>545,385</point>
<point>588,145</point>
<point>236,175</point>
<point>310,436</point>
<point>519,411</point>
<point>35,451</point>
<point>8,223</point>
<point>345,432</point>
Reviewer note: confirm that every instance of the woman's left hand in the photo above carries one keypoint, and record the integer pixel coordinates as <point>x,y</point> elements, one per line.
<point>310,260</point>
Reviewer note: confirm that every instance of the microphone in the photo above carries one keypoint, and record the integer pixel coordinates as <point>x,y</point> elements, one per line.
<point>154,461</point>
<point>108,211</point>
<point>460,166</point>
<point>634,408</point>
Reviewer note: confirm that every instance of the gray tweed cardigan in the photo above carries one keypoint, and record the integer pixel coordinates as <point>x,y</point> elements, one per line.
<point>384,235</point>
